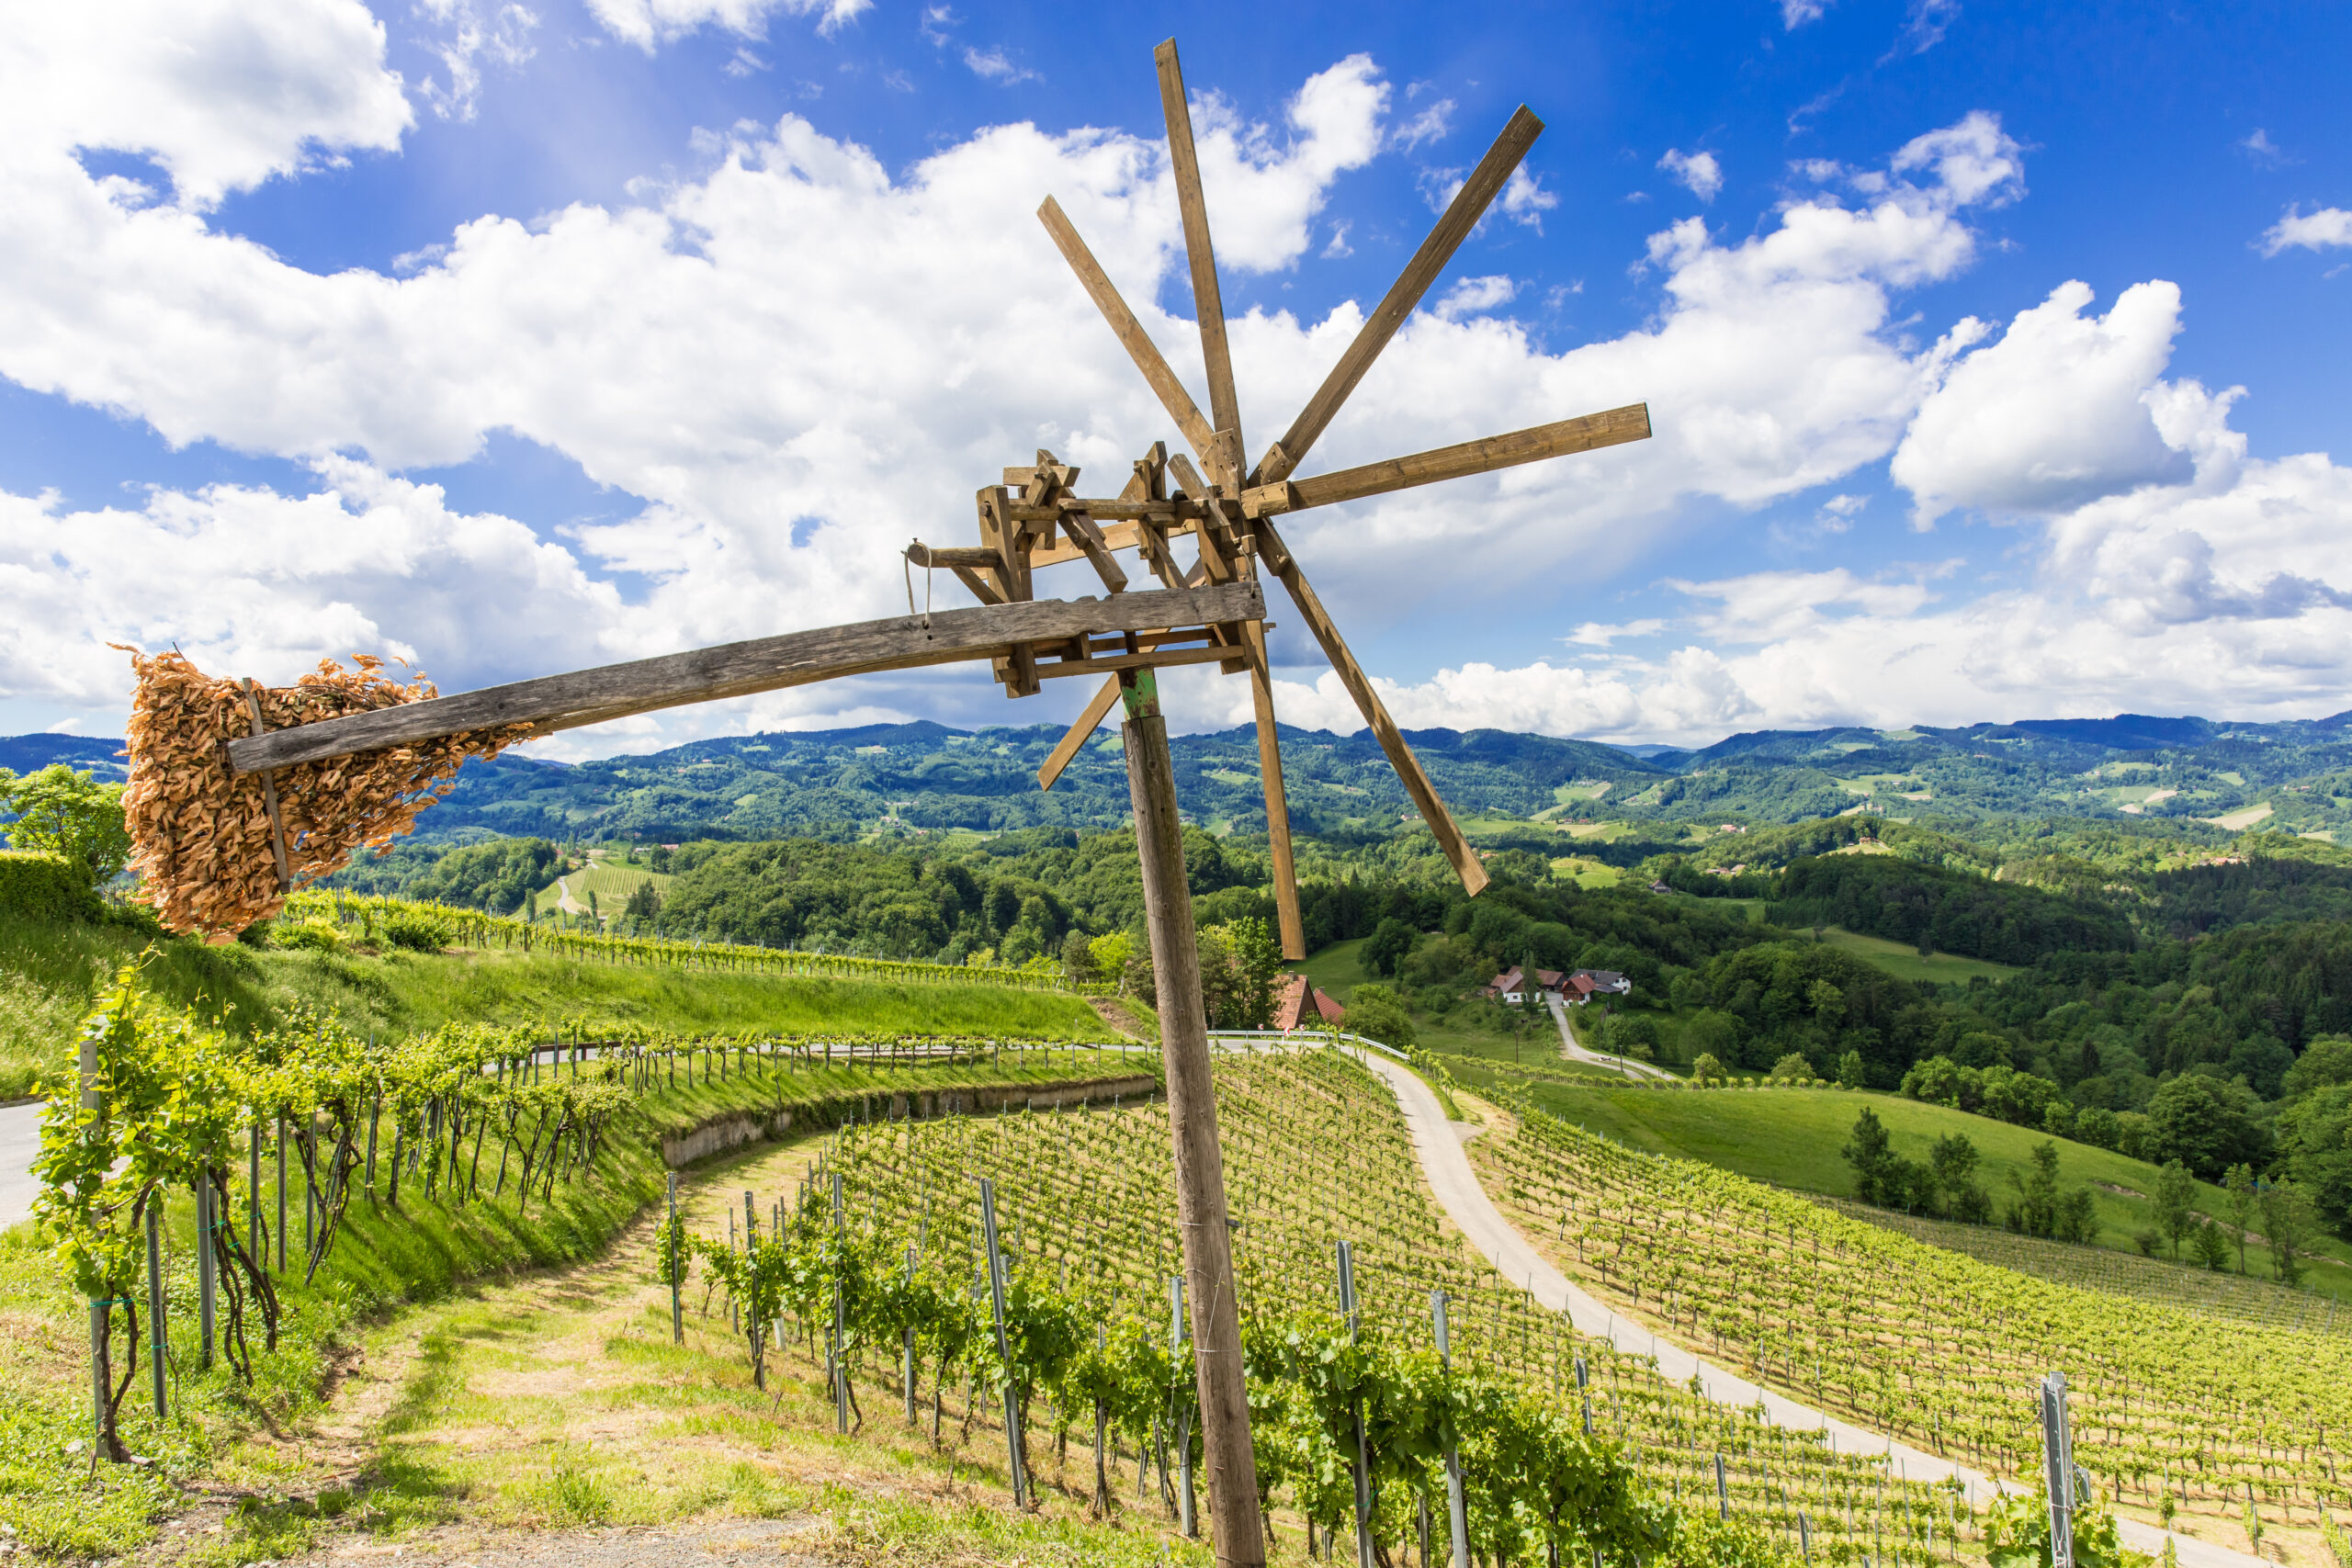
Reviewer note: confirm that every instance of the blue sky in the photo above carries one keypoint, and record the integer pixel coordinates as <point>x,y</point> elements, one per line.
<point>1995,354</point>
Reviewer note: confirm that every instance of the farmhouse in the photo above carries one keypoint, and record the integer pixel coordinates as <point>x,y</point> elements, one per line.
<point>1511,984</point>
<point>1301,1004</point>
<point>1586,984</point>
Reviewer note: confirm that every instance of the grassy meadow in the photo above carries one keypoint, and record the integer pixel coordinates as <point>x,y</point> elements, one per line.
<point>50,973</point>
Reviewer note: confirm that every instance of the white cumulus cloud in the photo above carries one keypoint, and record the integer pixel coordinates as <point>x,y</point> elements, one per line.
<point>649,23</point>
<point>1700,172</point>
<point>2315,231</point>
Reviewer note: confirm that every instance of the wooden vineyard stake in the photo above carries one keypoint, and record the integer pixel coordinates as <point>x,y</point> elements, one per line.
<point>995,1265</point>
<point>1457,1514</point>
<point>1237,1530</point>
<point>156,1341</point>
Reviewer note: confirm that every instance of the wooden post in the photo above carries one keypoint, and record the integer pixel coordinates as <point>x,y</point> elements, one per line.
<point>155,1297</point>
<point>1003,1347</point>
<point>1363,1456</point>
<point>1238,1530</point>
<point>100,1311</point>
<point>207,1221</point>
<point>1457,1513</point>
<point>677,1310</point>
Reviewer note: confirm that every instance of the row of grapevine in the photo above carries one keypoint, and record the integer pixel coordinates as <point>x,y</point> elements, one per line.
<point>165,1106</point>
<point>473,927</point>
<point>1315,1153</point>
<point>2175,1408</point>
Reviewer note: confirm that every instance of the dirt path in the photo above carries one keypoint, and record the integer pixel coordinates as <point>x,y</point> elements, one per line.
<point>1437,1143</point>
<point>549,1419</point>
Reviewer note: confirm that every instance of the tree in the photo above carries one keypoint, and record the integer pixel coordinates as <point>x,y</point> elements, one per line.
<point>2325,1061</point>
<point>1851,1071</point>
<point>2175,1204</point>
<point>1257,960</point>
<point>2240,1206</point>
<point>1954,1160</point>
<point>69,814</point>
<point>1111,953</point>
<point>1378,1013</point>
<point>2036,1211</point>
<point>2206,1123</point>
<point>644,901</point>
<point>1871,1153</point>
<point>2208,1246</point>
<point>1078,958</point>
<point>2287,1223</point>
<point>1706,1069</point>
<point>1386,948</point>
<point>2316,1150</point>
<point>1792,1068</point>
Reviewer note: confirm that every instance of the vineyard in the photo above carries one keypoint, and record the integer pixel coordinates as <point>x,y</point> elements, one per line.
<point>876,1269</point>
<point>2174,1408</point>
<point>367,918</point>
<point>2258,1302</point>
<point>224,1202</point>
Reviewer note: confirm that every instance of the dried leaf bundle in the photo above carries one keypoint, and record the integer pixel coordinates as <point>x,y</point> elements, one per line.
<point>201,835</point>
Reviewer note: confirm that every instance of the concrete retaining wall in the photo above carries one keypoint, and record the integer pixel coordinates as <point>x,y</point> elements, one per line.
<point>737,1128</point>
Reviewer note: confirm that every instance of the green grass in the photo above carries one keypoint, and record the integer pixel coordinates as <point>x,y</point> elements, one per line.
<point>1337,970</point>
<point>49,974</point>
<point>1902,961</point>
<point>1793,1138</point>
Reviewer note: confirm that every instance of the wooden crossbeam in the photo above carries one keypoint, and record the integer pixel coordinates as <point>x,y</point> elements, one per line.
<point>1079,734</point>
<point>1533,445</point>
<point>1208,302</point>
<point>1461,215</point>
<point>1376,712</point>
<point>739,668</point>
<point>1126,329</point>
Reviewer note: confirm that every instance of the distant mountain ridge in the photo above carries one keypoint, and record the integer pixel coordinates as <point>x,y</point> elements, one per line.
<point>927,777</point>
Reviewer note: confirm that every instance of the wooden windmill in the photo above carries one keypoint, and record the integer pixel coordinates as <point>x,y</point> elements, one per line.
<point>1211,612</point>
<point>1036,518</point>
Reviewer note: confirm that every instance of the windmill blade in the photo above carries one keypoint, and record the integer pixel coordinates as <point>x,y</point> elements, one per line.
<point>1532,444</point>
<point>1383,729</point>
<point>1129,331</point>
<point>1209,303</point>
<point>1293,928</point>
<point>1079,734</point>
<point>1462,215</point>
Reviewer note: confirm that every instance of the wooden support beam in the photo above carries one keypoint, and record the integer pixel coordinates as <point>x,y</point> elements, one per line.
<point>1376,714</point>
<point>1197,431</point>
<point>1080,731</point>
<point>1461,215</point>
<point>1208,302</point>
<point>978,584</point>
<point>739,668</point>
<point>1089,538</point>
<point>1592,431</point>
<point>1287,920</point>
<point>958,555</point>
<point>1238,1530</point>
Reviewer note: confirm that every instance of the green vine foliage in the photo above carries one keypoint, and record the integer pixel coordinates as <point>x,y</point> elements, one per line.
<point>1537,1487</point>
<point>2017,1533</point>
<point>181,1104</point>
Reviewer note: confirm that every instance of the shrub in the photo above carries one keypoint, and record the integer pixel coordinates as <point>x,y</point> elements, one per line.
<point>419,931</point>
<point>316,935</point>
<point>35,884</point>
<point>1792,1068</point>
<point>1706,1069</point>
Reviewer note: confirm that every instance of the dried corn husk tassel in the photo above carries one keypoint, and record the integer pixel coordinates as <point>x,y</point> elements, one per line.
<point>200,836</point>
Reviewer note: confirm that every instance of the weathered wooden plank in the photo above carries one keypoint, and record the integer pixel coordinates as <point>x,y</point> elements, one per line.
<point>1208,301</point>
<point>1461,215</point>
<point>1592,431</point>
<point>1237,1528</point>
<point>1196,431</point>
<point>1088,538</point>
<point>739,668</point>
<point>1376,714</point>
<point>1152,657</point>
<point>1080,731</point>
<point>956,555</point>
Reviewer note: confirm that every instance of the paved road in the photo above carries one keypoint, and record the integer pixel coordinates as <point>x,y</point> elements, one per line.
<point>19,1141</point>
<point>1576,1053</point>
<point>1438,1143</point>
